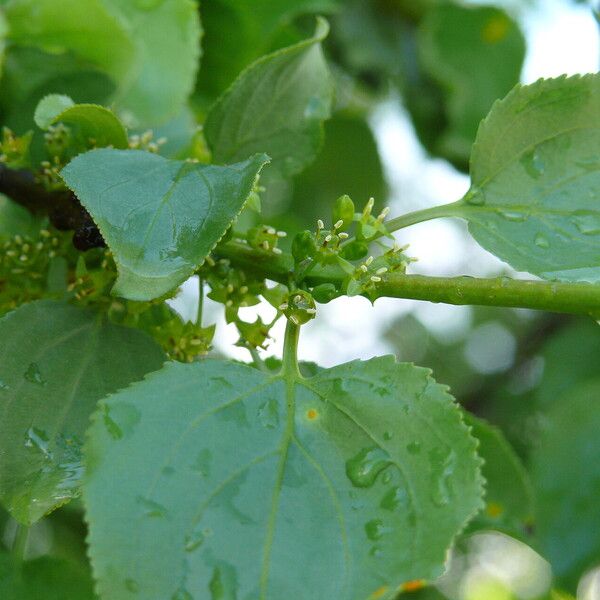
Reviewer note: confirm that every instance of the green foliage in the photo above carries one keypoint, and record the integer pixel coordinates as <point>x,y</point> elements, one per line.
<point>43,579</point>
<point>159,217</point>
<point>282,479</point>
<point>363,474</point>
<point>57,362</point>
<point>149,49</point>
<point>277,106</point>
<point>535,175</point>
<point>565,474</point>
<point>91,125</point>
<point>475,54</point>
<point>509,494</point>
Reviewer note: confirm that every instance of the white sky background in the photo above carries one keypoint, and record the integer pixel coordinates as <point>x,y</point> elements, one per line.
<point>561,38</point>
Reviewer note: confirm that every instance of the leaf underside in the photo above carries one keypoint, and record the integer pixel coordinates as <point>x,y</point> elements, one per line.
<point>339,486</point>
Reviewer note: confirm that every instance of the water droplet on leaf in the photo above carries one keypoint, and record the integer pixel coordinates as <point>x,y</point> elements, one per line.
<point>34,375</point>
<point>533,164</point>
<point>587,224</point>
<point>151,508</point>
<point>362,469</point>
<point>475,197</point>
<point>38,439</point>
<point>4,387</point>
<point>514,216</point>
<point>541,241</point>
<point>268,414</point>
<point>413,447</point>
<point>375,529</point>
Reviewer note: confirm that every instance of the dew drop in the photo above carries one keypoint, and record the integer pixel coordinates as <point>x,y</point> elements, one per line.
<point>376,551</point>
<point>202,463</point>
<point>475,197</point>
<point>115,432</point>
<point>38,439</point>
<point>533,164</point>
<point>386,477</point>
<point>151,508</point>
<point>387,435</point>
<point>541,241</point>
<point>413,448</point>
<point>442,469</point>
<point>268,414</point>
<point>514,216</point>
<point>394,499</point>
<point>375,529</point>
<point>587,224</point>
<point>34,375</point>
<point>362,469</point>
<point>4,387</point>
<point>194,540</point>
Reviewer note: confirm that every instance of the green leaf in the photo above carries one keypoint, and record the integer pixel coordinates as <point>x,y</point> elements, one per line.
<point>277,105</point>
<point>56,362</point>
<point>90,124</point>
<point>44,578</point>
<point>166,37</point>
<point>349,163</point>
<point>159,217</point>
<point>509,493</point>
<point>536,180</point>
<point>475,54</point>
<point>239,32</point>
<point>564,469</point>
<point>49,107</point>
<point>359,477</point>
<point>150,49</point>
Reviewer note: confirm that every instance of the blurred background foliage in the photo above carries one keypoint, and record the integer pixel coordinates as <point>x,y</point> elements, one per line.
<point>438,66</point>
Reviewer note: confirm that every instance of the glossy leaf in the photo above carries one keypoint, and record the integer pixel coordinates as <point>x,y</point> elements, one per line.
<point>277,105</point>
<point>91,124</point>
<point>536,180</point>
<point>150,49</point>
<point>508,490</point>
<point>56,362</point>
<point>565,474</point>
<point>43,578</point>
<point>475,54</point>
<point>344,485</point>
<point>159,217</point>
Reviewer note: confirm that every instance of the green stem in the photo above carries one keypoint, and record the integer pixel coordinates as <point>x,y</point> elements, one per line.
<point>19,546</point>
<point>290,351</point>
<point>419,216</point>
<point>200,301</point>
<point>575,298</point>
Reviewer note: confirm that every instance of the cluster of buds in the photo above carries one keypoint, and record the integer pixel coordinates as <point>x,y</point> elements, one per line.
<point>187,341</point>
<point>265,238</point>
<point>146,141</point>
<point>371,272</point>
<point>23,254</point>
<point>94,276</point>
<point>299,307</point>
<point>253,335</point>
<point>49,174</point>
<point>25,266</point>
<point>14,150</point>
<point>369,227</point>
<point>232,287</point>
